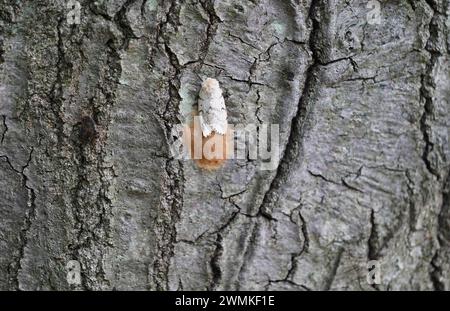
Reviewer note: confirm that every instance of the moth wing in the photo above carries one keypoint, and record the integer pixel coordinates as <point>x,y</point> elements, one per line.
<point>212,110</point>
<point>204,106</point>
<point>206,129</point>
<point>218,116</point>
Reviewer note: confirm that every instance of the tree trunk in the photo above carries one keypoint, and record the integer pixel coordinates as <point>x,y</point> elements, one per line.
<point>86,117</point>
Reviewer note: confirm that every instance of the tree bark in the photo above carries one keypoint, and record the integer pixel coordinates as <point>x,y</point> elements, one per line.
<point>363,111</point>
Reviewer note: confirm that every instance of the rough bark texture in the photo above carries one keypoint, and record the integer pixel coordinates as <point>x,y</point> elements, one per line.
<point>364,120</point>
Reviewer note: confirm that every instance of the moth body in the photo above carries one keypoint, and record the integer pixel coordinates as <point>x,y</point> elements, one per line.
<point>211,107</point>
<point>207,137</point>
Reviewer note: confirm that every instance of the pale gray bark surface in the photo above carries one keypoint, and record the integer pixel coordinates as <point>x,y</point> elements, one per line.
<point>363,114</point>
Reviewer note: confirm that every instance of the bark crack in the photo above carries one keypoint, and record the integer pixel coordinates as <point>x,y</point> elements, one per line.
<point>293,145</point>
<point>91,209</point>
<point>427,88</point>
<point>215,263</point>
<point>372,253</point>
<point>30,215</point>
<point>248,251</point>
<point>294,256</point>
<point>2,51</point>
<point>5,129</point>
<point>214,20</point>
<point>428,85</point>
<point>173,186</point>
<point>121,20</point>
<point>443,238</point>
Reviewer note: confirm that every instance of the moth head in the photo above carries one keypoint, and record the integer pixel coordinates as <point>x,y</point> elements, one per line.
<point>210,84</point>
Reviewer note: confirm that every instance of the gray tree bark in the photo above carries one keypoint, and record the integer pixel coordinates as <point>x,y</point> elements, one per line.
<point>364,171</point>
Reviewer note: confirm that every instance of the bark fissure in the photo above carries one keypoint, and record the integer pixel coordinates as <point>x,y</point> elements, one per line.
<point>248,251</point>
<point>91,210</point>
<point>215,263</point>
<point>427,86</point>
<point>372,249</point>
<point>443,237</point>
<point>434,47</point>
<point>28,221</point>
<point>214,20</point>
<point>121,21</point>
<point>304,248</point>
<point>5,130</point>
<point>30,214</point>
<point>56,91</point>
<point>173,187</point>
<point>293,145</point>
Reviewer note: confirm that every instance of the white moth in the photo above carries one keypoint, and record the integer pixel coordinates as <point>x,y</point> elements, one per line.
<point>212,110</point>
